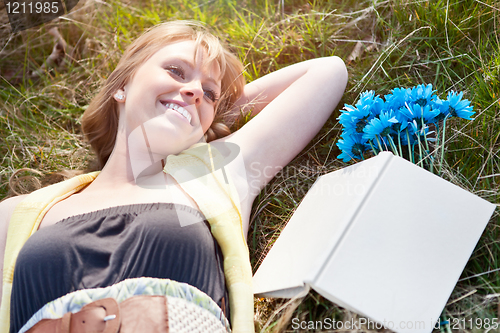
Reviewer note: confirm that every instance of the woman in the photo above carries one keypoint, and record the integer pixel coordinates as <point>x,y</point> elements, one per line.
<point>162,99</point>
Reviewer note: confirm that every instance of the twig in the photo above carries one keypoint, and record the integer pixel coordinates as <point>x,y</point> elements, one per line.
<point>462,297</point>
<point>480,274</point>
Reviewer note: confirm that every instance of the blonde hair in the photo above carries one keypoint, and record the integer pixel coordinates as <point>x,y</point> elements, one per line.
<point>100,120</point>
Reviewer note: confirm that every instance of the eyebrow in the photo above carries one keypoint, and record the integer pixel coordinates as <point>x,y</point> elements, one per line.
<point>191,66</point>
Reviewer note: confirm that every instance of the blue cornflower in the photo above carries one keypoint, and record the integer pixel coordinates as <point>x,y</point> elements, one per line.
<point>438,104</point>
<point>422,95</point>
<point>455,106</point>
<point>380,126</point>
<point>354,119</point>
<point>417,130</point>
<point>347,118</point>
<point>407,112</point>
<point>397,98</point>
<point>404,137</point>
<point>374,103</point>
<point>401,124</point>
<point>365,97</point>
<point>403,119</point>
<point>417,112</point>
<point>352,146</point>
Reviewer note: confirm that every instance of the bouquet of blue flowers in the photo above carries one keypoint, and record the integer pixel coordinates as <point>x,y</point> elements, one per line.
<point>409,122</point>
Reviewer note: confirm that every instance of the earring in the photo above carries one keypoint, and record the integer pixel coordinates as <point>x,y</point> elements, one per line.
<point>119,96</point>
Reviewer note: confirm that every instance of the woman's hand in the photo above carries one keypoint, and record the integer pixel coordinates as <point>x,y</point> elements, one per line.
<point>290,107</point>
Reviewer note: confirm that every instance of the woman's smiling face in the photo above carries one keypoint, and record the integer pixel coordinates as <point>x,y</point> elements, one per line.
<point>173,95</point>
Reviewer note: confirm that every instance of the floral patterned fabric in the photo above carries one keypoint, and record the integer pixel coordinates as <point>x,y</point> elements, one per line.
<point>74,301</point>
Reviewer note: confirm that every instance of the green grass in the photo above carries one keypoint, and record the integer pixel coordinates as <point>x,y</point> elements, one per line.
<point>452,44</point>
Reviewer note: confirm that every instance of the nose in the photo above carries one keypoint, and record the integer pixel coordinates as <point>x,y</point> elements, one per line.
<point>192,92</point>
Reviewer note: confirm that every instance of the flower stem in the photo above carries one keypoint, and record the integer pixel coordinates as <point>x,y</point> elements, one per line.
<point>410,154</point>
<point>428,150</point>
<point>393,146</point>
<point>420,161</point>
<point>442,146</point>
<point>373,148</point>
<point>425,134</point>
<point>399,144</point>
<point>438,133</point>
<point>379,144</point>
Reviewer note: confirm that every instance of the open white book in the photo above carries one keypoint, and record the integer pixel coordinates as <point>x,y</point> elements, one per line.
<point>383,238</point>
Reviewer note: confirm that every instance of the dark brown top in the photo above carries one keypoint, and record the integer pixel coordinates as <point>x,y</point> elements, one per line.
<point>101,248</point>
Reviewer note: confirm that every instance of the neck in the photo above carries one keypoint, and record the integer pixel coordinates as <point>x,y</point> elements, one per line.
<point>129,165</point>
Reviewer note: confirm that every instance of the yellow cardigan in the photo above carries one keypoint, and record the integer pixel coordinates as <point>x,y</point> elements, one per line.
<point>211,188</point>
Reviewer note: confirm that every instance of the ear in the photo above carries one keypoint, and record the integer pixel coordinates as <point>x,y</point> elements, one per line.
<point>119,96</point>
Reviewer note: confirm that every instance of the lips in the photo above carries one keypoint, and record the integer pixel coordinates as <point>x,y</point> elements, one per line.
<point>179,109</point>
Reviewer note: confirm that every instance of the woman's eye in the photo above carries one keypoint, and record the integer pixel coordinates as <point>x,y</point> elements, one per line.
<point>176,70</point>
<point>211,95</point>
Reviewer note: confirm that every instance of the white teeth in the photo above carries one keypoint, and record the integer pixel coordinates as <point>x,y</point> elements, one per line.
<point>179,110</point>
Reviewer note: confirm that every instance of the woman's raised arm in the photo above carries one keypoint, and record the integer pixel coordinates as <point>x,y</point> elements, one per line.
<point>290,107</point>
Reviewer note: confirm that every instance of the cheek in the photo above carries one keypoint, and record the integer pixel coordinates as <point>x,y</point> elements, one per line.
<point>207,120</point>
